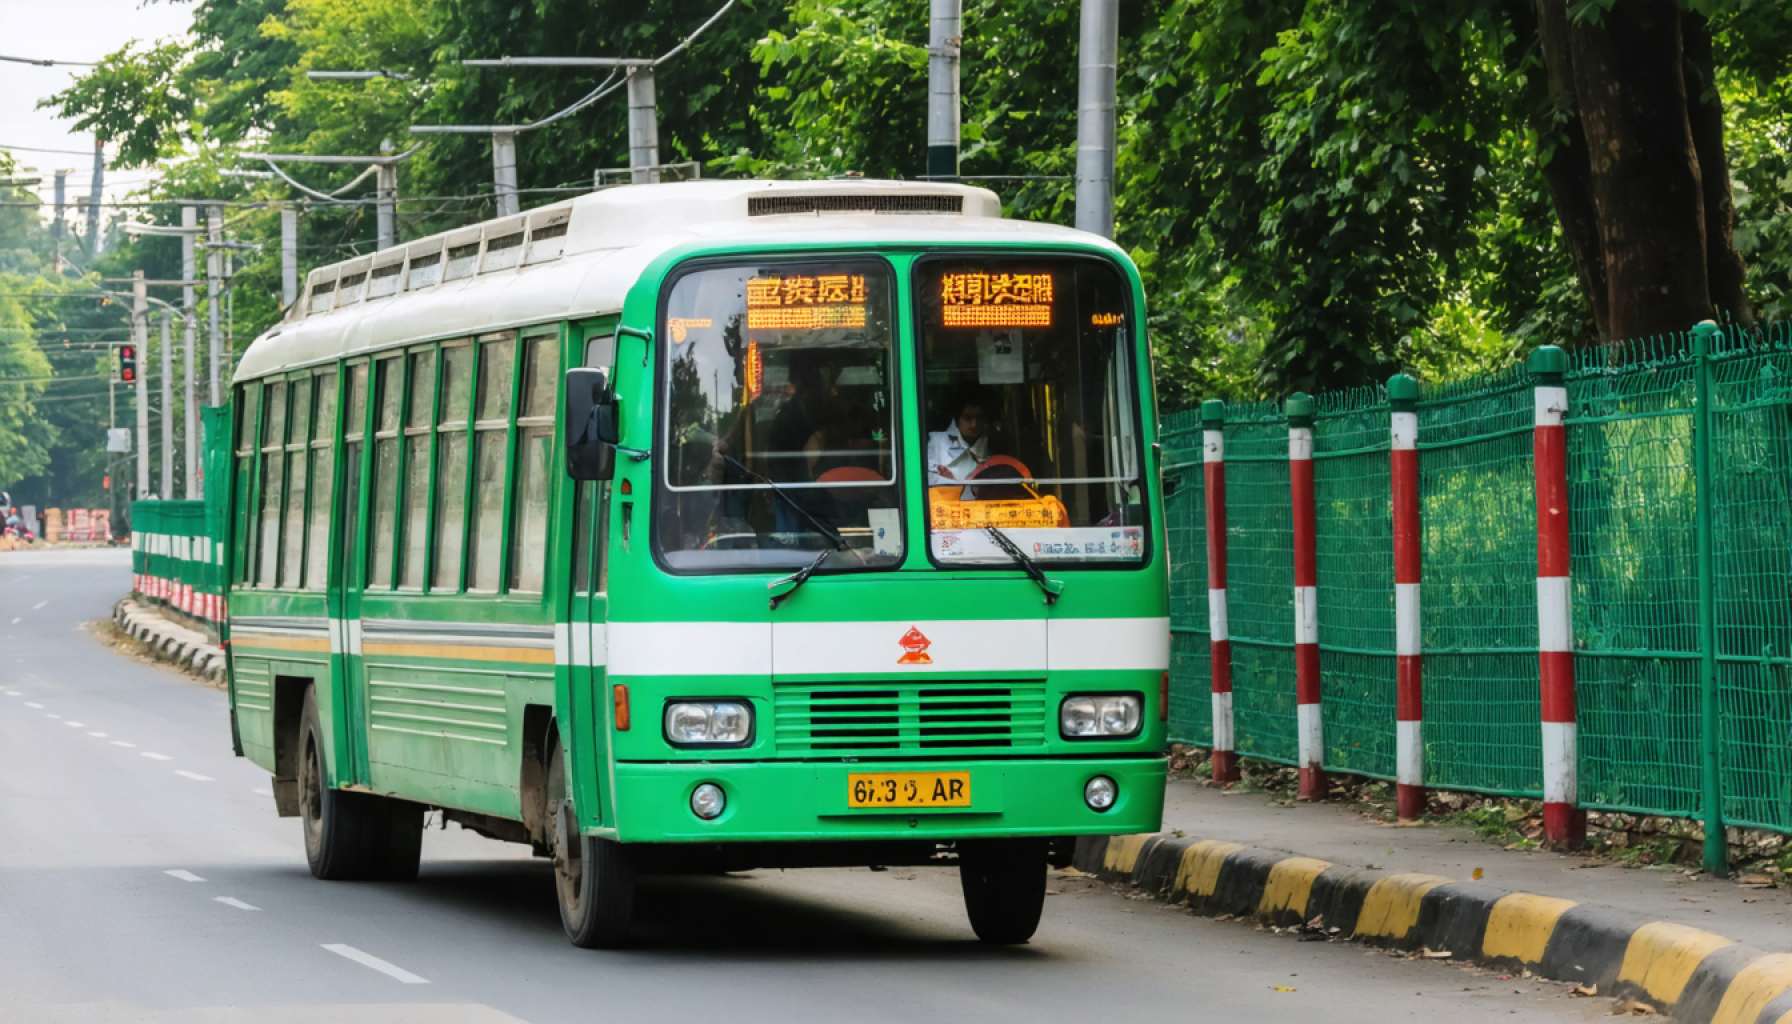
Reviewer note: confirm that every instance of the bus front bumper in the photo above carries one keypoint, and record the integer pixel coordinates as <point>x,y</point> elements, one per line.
<point>808,801</point>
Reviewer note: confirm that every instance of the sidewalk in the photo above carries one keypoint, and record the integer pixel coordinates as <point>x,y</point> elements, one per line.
<point>1337,833</point>
<point>1702,950</point>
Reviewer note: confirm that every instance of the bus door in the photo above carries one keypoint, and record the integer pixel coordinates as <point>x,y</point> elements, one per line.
<point>585,706</point>
<point>347,581</point>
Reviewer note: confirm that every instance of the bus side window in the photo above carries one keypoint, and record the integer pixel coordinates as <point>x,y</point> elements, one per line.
<point>248,423</point>
<point>298,440</point>
<point>535,448</point>
<point>354,427</point>
<point>491,429</point>
<point>273,441</point>
<point>388,381</point>
<point>451,467</point>
<point>323,480</point>
<point>418,417</point>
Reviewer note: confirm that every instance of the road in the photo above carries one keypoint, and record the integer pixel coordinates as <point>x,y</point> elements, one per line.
<point>144,877</point>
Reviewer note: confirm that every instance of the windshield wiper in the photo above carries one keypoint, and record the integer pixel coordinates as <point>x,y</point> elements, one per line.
<point>1049,587</point>
<point>796,579</point>
<point>822,528</point>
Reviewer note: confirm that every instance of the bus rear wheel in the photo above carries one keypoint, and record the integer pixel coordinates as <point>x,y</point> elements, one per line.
<point>352,836</point>
<point>1004,888</point>
<point>594,879</point>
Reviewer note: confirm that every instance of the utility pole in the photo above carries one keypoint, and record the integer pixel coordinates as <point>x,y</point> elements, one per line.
<point>1097,56</point>
<point>189,227</point>
<point>94,195</point>
<point>140,338</point>
<point>943,48</point>
<point>504,173</point>
<point>289,255</point>
<point>643,126</point>
<point>59,229</point>
<point>167,489</point>
<point>386,191</point>
<point>214,292</point>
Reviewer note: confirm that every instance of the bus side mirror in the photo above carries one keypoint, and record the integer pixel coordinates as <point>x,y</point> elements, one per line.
<point>590,424</point>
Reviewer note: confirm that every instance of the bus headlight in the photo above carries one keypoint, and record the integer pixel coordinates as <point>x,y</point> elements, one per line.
<point>1100,716</point>
<point>709,723</point>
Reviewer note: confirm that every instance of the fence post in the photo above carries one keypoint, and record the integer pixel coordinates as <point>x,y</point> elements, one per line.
<point>1403,399</point>
<point>1299,409</point>
<point>1564,823</point>
<point>1213,466</point>
<point>1717,854</point>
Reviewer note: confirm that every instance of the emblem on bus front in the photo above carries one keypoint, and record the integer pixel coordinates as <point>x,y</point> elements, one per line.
<point>914,645</point>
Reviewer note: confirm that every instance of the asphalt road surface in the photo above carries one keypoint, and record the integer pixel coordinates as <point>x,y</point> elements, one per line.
<point>145,877</point>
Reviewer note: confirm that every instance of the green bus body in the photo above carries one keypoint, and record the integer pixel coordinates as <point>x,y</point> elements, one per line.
<point>449,693</point>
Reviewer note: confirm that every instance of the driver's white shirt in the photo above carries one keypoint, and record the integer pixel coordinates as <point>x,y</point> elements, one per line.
<point>949,458</point>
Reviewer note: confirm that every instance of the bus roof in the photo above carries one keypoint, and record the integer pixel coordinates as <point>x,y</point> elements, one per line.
<point>579,257</point>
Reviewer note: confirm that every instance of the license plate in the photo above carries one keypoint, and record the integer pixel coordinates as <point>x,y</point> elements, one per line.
<point>908,789</point>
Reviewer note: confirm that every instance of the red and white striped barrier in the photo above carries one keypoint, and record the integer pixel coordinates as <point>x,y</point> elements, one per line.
<point>1409,694</point>
<point>1306,598</point>
<point>1213,468</point>
<point>1564,823</point>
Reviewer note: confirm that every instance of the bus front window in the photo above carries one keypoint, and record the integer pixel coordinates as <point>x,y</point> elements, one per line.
<point>779,418</point>
<point>1030,406</point>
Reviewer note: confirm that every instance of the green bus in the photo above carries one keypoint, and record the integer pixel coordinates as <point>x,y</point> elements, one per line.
<point>707,526</point>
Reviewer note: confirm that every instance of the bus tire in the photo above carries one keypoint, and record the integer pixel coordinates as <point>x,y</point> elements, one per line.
<point>594,879</point>
<point>352,836</point>
<point>1004,888</point>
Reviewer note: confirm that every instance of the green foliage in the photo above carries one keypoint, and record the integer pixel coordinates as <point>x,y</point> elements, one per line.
<point>135,100</point>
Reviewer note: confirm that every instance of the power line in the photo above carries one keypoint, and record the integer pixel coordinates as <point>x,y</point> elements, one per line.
<point>41,149</point>
<point>49,62</point>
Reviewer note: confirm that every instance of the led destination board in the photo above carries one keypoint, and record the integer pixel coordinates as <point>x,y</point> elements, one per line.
<point>979,298</point>
<point>805,302</point>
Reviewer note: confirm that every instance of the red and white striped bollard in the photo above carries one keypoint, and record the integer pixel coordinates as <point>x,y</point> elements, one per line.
<point>1213,468</point>
<point>1409,693</point>
<point>1310,722</point>
<point>1564,823</point>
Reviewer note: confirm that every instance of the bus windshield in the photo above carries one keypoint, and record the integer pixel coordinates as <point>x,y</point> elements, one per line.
<point>779,419</point>
<point>1030,410</point>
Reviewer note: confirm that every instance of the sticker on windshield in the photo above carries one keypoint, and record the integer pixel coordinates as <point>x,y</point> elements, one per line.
<point>886,530</point>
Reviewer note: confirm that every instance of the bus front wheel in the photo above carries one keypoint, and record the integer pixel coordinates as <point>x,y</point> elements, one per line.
<point>352,836</point>
<point>1004,888</point>
<point>594,879</point>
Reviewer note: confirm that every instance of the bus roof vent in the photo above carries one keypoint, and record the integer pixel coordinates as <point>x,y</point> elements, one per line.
<point>862,202</point>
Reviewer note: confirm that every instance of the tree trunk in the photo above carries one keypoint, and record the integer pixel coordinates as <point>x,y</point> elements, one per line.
<point>1566,167</point>
<point>1645,173</point>
<point>1632,152</point>
<point>1723,264</point>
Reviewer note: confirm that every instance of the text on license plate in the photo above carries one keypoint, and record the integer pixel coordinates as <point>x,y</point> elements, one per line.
<point>908,789</point>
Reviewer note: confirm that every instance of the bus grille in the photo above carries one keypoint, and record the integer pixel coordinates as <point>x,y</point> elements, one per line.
<point>884,718</point>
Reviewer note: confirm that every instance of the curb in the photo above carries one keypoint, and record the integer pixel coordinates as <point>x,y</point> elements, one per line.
<point>1691,974</point>
<point>183,647</point>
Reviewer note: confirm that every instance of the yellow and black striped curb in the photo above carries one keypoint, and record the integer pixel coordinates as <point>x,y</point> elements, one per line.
<point>1695,975</point>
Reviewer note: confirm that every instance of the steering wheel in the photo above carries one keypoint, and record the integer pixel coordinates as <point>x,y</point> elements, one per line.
<point>1001,467</point>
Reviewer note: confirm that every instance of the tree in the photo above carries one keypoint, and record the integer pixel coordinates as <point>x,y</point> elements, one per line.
<point>1632,147</point>
<point>135,100</point>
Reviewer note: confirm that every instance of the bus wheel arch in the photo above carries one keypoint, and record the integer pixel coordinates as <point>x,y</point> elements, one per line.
<point>541,733</point>
<point>289,720</point>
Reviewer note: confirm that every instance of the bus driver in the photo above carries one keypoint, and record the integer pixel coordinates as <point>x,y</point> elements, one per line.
<point>955,452</point>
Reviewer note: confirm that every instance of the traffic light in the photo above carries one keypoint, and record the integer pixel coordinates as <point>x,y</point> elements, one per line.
<point>127,364</point>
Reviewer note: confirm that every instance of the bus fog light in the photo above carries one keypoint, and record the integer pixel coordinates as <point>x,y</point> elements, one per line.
<point>708,801</point>
<point>1100,793</point>
<point>709,723</point>
<point>1100,716</point>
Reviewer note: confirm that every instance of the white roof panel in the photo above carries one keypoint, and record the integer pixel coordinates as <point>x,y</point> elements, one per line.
<point>610,238</point>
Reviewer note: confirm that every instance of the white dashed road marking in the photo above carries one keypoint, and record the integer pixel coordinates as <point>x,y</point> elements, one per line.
<point>263,791</point>
<point>16,620</point>
<point>39,606</point>
<point>369,960</point>
<point>49,714</point>
<point>195,776</point>
<point>122,743</point>
<point>183,874</point>
<point>153,756</point>
<point>98,735</point>
<point>34,705</point>
<point>232,901</point>
<point>75,725</point>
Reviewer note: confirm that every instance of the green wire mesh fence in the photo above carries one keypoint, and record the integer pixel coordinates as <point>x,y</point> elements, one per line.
<point>1680,495</point>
